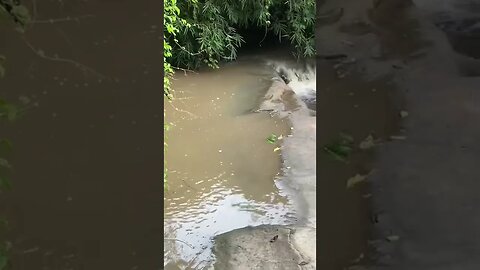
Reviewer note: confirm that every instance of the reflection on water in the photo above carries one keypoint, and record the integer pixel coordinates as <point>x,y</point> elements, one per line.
<point>221,168</point>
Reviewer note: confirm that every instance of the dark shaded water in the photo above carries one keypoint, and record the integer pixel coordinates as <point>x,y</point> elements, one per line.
<point>87,154</point>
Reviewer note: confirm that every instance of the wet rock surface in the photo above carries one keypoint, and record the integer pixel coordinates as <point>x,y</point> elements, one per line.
<point>266,247</point>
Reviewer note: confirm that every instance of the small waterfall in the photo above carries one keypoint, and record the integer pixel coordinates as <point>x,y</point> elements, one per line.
<point>302,81</point>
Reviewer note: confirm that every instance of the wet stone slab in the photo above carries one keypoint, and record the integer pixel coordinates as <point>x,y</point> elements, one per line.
<point>266,247</point>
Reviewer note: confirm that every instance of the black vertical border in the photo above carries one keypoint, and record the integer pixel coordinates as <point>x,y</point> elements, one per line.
<point>162,72</point>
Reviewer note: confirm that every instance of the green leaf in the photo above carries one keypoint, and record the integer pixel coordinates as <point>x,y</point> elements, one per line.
<point>356,180</point>
<point>341,149</point>
<point>272,138</point>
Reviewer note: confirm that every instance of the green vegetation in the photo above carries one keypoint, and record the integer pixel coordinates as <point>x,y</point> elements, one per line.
<point>209,33</point>
<point>272,138</point>
<point>205,32</point>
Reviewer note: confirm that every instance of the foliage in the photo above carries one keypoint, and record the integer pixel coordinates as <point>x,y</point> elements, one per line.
<point>208,33</point>
<point>272,138</point>
<point>171,13</point>
<point>170,20</point>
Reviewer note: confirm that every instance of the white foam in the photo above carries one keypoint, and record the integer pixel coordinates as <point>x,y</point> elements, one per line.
<point>301,80</point>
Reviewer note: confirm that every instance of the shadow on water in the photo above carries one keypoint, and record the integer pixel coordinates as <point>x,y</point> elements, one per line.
<point>86,181</point>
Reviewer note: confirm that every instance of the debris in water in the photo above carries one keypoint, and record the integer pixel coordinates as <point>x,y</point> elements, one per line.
<point>274,239</point>
<point>367,143</point>
<point>276,149</point>
<point>393,238</point>
<point>220,151</point>
<point>366,196</point>
<point>272,138</point>
<point>403,114</point>
<point>355,180</point>
<point>303,263</point>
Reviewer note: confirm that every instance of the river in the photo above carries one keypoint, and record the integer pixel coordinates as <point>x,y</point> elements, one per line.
<point>223,174</point>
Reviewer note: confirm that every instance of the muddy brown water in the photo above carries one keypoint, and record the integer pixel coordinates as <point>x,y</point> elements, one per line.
<point>87,179</point>
<point>221,170</point>
<point>359,107</point>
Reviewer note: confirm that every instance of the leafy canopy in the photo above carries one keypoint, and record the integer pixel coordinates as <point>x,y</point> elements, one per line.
<point>205,32</point>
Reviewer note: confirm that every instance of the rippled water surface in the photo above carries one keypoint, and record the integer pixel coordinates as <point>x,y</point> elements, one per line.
<point>221,170</point>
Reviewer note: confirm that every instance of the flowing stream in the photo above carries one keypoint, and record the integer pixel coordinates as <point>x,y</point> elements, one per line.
<point>223,174</point>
